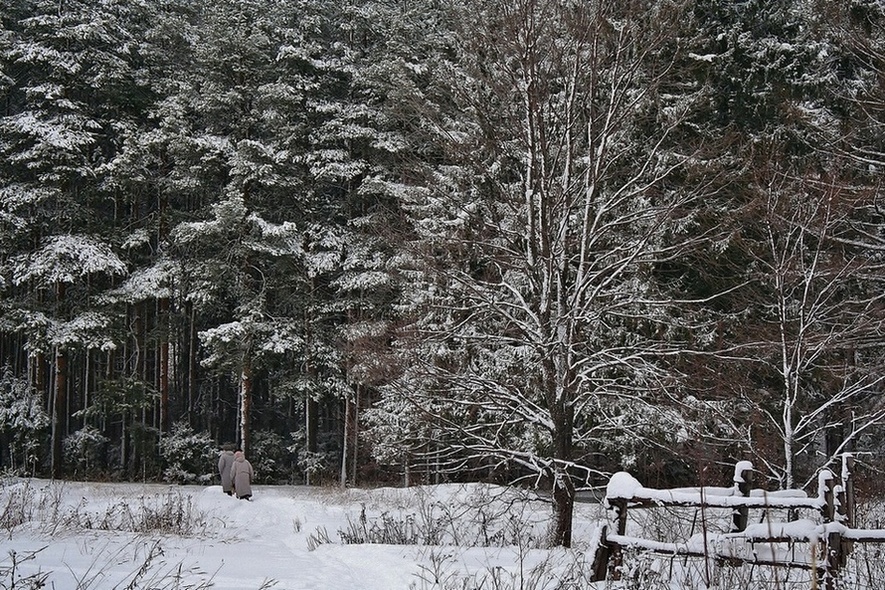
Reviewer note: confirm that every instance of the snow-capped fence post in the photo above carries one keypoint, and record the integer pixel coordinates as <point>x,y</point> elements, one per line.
<point>617,557</point>
<point>834,557</point>
<point>601,559</point>
<point>846,497</point>
<point>621,510</point>
<point>743,479</point>
<point>826,489</point>
<point>847,502</point>
<point>838,509</point>
<point>608,560</point>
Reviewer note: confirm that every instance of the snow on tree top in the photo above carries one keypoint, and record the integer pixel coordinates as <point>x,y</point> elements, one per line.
<point>66,258</point>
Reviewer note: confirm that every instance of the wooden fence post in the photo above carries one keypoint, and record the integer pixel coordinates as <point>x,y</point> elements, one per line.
<point>846,505</point>
<point>601,559</point>
<point>833,557</point>
<point>743,477</point>
<point>617,557</point>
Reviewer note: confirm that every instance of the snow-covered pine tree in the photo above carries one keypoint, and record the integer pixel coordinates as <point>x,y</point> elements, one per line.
<point>257,69</point>
<point>22,424</point>
<point>71,91</point>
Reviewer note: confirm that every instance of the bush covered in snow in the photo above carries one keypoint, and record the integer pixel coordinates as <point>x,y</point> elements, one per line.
<point>270,457</point>
<point>23,423</point>
<point>85,450</point>
<point>190,456</point>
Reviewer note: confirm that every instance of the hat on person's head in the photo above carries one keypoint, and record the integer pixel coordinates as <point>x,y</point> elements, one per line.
<point>239,454</point>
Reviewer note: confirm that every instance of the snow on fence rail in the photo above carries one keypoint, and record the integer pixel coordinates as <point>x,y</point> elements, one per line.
<point>831,535</point>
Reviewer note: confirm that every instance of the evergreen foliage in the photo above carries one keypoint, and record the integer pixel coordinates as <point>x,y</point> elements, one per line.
<point>529,241</point>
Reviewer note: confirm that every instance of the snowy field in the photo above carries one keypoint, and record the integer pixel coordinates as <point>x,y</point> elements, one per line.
<point>108,536</point>
<point>102,536</point>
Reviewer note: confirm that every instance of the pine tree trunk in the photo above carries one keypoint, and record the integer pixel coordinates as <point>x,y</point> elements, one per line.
<point>311,418</point>
<point>58,412</point>
<point>141,374</point>
<point>163,354</point>
<point>312,415</point>
<point>246,405</point>
<point>356,433</point>
<point>40,377</point>
<point>344,441</point>
<point>87,370</point>
<point>163,325</point>
<point>191,362</point>
<point>60,401</point>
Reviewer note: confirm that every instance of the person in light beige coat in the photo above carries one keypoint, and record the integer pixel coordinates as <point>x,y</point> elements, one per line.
<point>241,474</point>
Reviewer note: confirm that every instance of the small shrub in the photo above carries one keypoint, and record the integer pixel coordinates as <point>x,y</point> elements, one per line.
<point>554,570</point>
<point>315,466</point>
<point>270,456</point>
<point>190,457</point>
<point>11,576</point>
<point>22,421</point>
<point>152,571</point>
<point>388,529</point>
<point>173,514</point>
<point>85,450</point>
<point>16,505</point>
<point>482,518</point>
<point>317,538</point>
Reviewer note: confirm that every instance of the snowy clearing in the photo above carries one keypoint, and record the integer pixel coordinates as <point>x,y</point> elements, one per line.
<point>116,536</point>
<point>90,535</point>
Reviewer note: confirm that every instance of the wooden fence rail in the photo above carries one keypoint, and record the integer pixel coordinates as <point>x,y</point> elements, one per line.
<point>831,533</point>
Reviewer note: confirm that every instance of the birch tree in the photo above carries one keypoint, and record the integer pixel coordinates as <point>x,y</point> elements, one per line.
<point>826,318</point>
<point>782,80</point>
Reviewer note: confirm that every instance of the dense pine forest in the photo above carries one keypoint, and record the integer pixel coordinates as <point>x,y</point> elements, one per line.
<point>389,242</point>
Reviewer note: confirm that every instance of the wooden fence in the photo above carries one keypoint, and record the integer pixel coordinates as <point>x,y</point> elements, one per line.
<point>829,531</point>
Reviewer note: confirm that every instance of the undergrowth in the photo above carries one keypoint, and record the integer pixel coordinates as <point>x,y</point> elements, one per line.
<point>41,508</point>
<point>446,532</point>
<point>24,504</point>
<point>488,517</point>
<point>489,539</point>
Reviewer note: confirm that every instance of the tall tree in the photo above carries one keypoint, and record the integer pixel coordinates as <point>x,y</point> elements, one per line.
<point>63,261</point>
<point>826,318</point>
<point>779,82</point>
<point>540,233</point>
<point>71,92</point>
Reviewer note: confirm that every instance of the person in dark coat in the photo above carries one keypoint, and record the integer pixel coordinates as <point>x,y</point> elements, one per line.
<point>225,462</point>
<point>241,473</point>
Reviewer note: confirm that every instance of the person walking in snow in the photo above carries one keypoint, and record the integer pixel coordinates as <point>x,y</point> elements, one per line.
<point>241,473</point>
<point>225,462</point>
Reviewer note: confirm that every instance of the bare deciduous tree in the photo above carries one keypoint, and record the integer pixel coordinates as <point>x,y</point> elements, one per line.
<point>825,323</point>
<point>540,324</point>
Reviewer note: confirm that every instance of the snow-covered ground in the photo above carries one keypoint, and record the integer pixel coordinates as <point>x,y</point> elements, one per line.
<point>103,536</point>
